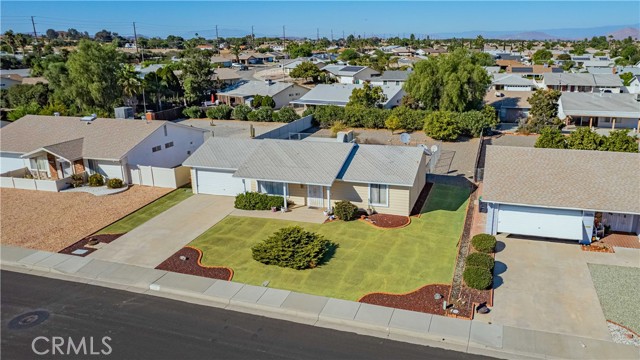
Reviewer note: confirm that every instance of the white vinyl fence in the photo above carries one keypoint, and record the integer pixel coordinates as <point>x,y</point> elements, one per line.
<point>160,177</point>
<point>15,180</point>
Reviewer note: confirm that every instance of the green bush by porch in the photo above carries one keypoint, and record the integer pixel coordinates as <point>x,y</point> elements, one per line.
<point>258,201</point>
<point>368,260</point>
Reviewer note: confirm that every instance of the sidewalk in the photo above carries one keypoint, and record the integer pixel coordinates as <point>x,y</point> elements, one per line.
<point>419,328</point>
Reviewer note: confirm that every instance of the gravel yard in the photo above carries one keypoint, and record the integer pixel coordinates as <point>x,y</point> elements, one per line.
<point>52,221</point>
<point>618,288</point>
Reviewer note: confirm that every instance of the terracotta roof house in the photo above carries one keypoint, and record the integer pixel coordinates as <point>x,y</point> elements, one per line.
<point>529,192</point>
<point>56,147</point>
<point>313,173</point>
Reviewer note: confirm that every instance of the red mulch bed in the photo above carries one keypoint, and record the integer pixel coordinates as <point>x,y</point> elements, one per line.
<point>389,221</point>
<point>468,296</point>
<point>82,244</point>
<point>191,266</point>
<point>420,300</point>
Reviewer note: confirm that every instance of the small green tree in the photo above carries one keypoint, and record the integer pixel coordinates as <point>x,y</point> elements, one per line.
<point>221,112</point>
<point>306,70</point>
<point>348,55</point>
<point>286,115</point>
<point>551,138</point>
<point>620,140</point>
<point>267,101</point>
<point>393,123</point>
<point>544,111</point>
<point>441,125</point>
<point>263,114</point>
<point>541,56</point>
<point>367,96</point>
<point>241,112</point>
<point>626,78</point>
<point>193,112</point>
<point>256,102</point>
<point>584,139</point>
<point>292,247</point>
<point>22,110</point>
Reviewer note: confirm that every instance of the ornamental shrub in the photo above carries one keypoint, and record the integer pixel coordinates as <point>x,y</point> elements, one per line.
<point>484,243</point>
<point>477,277</point>
<point>221,112</point>
<point>193,112</point>
<point>77,180</point>
<point>258,201</point>
<point>292,247</point>
<point>115,183</point>
<point>263,114</point>
<point>241,112</point>
<point>345,210</point>
<point>482,260</point>
<point>286,115</point>
<point>96,180</point>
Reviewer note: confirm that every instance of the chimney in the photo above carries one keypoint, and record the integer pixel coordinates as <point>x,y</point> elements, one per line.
<point>614,70</point>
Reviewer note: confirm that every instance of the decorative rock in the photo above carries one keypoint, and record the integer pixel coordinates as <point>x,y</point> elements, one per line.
<point>183,258</point>
<point>437,296</point>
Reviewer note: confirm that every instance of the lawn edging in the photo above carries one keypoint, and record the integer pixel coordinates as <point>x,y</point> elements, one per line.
<point>200,255</point>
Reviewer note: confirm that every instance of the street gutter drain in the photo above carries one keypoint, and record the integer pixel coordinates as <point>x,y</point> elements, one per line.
<point>28,320</point>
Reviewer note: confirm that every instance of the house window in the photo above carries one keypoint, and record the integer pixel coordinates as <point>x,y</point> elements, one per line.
<point>397,82</point>
<point>39,163</point>
<point>156,148</point>
<point>168,145</point>
<point>165,130</point>
<point>379,194</point>
<point>271,188</point>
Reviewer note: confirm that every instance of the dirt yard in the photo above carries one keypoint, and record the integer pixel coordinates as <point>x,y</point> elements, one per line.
<point>52,221</point>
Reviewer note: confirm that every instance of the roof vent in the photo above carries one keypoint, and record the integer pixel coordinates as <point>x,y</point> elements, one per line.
<point>89,117</point>
<point>56,114</point>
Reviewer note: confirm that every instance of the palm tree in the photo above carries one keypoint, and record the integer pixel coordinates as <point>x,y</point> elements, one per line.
<point>235,50</point>
<point>10,40</point>
<point>21,41</point>
<point>130,83</point>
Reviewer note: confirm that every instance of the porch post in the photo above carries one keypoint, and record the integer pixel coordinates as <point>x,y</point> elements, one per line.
<point>613,124</point>
<point>328,198</point>
<point>590,123</point>
<point>284,187</point>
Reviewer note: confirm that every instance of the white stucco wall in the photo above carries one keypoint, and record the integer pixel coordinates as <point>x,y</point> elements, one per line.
<point>185,142</point>
<point>11,161</point>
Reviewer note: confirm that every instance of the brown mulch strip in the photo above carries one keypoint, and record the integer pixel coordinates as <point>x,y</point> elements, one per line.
<point>82,244</point>
<point>193,266</point>
<point>468,297</point>
<point>422,198</point>
<point>389,221</point>
<point>419,300</point>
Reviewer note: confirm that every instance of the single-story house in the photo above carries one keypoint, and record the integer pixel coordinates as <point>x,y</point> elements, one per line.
<point>338,94</point>
<point>391,77</point>
<point>244,91</point>
<point>9,80</point>
<point>221,61</point>
<point>349,74</point>
<point>510,105</point>
<point>313,174</point>
<point>634,85</point>
<point>583,82</point>
<point>534,71</point>
<point>226,76</point>
<point>561,194</point>
<point>292,64</point>
<point>55,147</point>
<point>604,110</point>
<point>512,82</point>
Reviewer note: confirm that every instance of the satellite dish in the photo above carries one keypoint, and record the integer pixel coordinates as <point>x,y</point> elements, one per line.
<point>405,138</point>
<point>434,149</point>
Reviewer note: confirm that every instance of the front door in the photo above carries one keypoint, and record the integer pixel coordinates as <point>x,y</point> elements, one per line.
<point>314,196</point>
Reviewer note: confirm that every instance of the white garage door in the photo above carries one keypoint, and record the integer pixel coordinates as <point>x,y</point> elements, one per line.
<point>218,183</point>
<point>10,162</point>
<point>553,223</point>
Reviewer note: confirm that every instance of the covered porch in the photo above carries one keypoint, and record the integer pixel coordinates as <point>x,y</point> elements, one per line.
<point>308,196</point>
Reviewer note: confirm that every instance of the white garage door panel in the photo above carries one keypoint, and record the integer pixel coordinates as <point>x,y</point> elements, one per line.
<point>554,223</point>
<point>219,183</point>
<point>10,162</point>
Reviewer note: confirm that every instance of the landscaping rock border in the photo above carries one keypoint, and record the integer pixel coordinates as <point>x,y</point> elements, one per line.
<point>421,299</point>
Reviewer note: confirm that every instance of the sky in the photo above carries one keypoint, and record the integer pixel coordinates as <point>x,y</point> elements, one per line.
<point>306,18</point>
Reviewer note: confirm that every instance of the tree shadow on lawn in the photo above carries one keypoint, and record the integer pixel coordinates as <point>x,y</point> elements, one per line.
<point>328,255</point>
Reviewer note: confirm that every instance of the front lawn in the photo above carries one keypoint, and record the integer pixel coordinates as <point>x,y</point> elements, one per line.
<point>368,259</point>
<point>147,212</point>
<point>618,288</point>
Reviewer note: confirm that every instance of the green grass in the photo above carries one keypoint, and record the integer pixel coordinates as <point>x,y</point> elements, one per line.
<point>618,288</point>
<point>147,212</point>
<point>368,259</point>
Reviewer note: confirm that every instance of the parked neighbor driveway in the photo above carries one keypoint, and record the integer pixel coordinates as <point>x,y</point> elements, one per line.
<point>546,285</point>
<point>154,241</point>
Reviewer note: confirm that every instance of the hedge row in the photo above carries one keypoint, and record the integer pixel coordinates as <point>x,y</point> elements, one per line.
<point>258,201</point>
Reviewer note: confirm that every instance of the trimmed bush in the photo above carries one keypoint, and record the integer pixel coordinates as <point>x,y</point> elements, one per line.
<point>77,180</point>
<point>115,183</point>
<point>263,114</point>
<point>292,247</point>
<point>484,243</point>
<point>258,201</point>
<point>96,180</point>
<point>286,115</point>
<point>241,112</point>
<point>345,210</point>
<point>477,277</point>
<point>193,112</point>
<point>482,260</point>
<point>221,112</point>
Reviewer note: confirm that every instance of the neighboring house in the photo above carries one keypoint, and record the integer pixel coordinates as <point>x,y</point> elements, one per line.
<point>533,71</point>
<point>55,147</point>
<point>205,47</point>
<point>22,72</point>
<point>248,58</point>
<point>606,110</point>
<point>292,64</point>
<point>34,80</point>
<point>313,174</point>
<point>491,70</point>
<point>403,51</point>
<point>510,105</point>
<point>390,77</point>
<point>338,94</point>
<point>221,61</point>
<point>634,85</point>
<point>144,71</point>
<point>512,82</point>
<point>226,76</point>
<point>584,82</point>
<point>244,91</point>
<point>348,74</point>
<point>557,193</point>
<point>9,80</point>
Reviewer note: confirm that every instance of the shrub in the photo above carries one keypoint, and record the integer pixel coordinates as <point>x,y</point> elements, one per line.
<point>441,125</point>
<point>286,114</point>
<point>77,180</point>
<point>325,116</point>
<point>267,101</point>
<point>96,180</point>
<point>477,278</point>
<point>241,112</point>
<point>292,247</point>
<point>115,183</point>
<point>484,243</point>
<point>410,119</point>
<point>345,210</point>
<point>337,127</point>
<point>393,123</point>
<point>193,112</point>
<point>222,112</point>
<point>263,114</point>
<point>482,260</point>
<point>256,102</point>
<point>258,201</point>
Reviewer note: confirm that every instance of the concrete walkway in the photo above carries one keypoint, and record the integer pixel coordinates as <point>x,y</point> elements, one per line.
<point>151,243</point>
<point>473,337</point>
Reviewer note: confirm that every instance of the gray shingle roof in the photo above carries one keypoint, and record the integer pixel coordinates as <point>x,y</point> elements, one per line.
<point>380,164</point>
<point>255,87</point>
<point>570,179</point>
<point>338,94</point>
<point>70,150</point>
<point>393,75</point>
<point>222,153</point>
<point>316,163</point>
<point>511,80</point>
<point>582,79</point>
<point>590,104</point>
<point>106,139</point>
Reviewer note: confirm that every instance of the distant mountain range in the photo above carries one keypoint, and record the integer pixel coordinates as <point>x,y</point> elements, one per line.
<point>618,32</point>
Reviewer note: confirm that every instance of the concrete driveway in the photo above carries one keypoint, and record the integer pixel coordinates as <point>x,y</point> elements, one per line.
<point>546,285</point>
<point>154,241</point>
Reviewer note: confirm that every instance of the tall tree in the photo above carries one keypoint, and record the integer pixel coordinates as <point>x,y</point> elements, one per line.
<point>544,110</point>
<point>306,70</point>
<point>196,77</point>
<point>130,84</point>
<point>367,96</point>
<point>551,138</point>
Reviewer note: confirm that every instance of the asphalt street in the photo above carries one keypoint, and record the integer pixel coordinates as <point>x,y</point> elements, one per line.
<point>138,326</point>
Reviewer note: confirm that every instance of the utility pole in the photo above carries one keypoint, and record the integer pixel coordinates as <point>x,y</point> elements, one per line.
<point>217,37</point>
<point>284,38</point>
<point>317,34</point>
<point>135,36</point>
<point>35,34</point>
<point>253,39</point>
<point>332,36</point>
<point>343,38</point>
